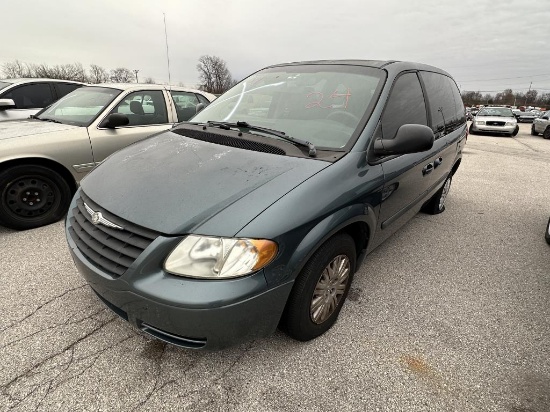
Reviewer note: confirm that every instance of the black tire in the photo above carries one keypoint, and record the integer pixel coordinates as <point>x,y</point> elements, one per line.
<point>533,132</point>
<point>436,204</point>
<point>547,234</point>
<point>32,196</point>
<point>300,321</point>
<point>546,134</point>
<point>471,130</point>
<point>515,132</point>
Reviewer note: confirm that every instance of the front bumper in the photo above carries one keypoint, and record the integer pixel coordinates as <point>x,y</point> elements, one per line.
<point>195,314</point>
<point>494,129</point>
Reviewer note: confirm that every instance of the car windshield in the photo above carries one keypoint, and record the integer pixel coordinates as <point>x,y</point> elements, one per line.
<point>496,111</point>
<point>3,85</point>
<point>322,104</point>
<point>80,107</point>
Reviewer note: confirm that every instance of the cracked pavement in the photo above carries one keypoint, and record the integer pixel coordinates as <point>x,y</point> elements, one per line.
<point>451,313</point>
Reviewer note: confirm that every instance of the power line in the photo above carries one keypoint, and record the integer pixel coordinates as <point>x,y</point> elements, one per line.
<point>503,78</point>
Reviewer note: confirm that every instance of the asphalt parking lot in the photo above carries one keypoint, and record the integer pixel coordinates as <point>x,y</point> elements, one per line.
<point>450,314</point>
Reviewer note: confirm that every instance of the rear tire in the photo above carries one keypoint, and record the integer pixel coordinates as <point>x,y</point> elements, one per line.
<point>436,204</point>
<point>320,290</point>
<point>32,196</point>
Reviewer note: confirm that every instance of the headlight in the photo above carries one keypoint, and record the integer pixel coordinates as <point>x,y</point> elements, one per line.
<point>219,258</point>
<point>511,123</point>
<point>481,122</point>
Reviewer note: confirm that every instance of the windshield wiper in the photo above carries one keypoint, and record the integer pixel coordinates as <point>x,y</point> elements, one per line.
<point>44,120</point>
<point>239,125</point>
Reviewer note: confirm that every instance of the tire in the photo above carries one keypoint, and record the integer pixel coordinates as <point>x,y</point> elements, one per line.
<point>533,131</point>
<point>32,196</point>
<point>300,320</point>
<point>547,234</point>
<point>436,204</point>
<point>515,132</point>
<point>546,133</point>
<point>471,130</point>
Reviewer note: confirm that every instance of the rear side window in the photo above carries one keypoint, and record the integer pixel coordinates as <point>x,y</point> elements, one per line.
<point>31,96</point>
<point>65,88</point>
<point>445,104</point>
<point>405,105</point>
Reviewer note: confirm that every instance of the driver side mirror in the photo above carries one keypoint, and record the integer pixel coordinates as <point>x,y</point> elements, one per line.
<point>115,120</point>
<point>410,138</point>
<point>6,104</point>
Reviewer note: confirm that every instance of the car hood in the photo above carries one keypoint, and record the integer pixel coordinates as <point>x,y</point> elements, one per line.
<point>19,128</point>
<point>495,119</point>
<point>176,185</point>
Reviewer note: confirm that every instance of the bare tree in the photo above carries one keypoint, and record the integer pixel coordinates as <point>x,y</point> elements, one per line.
<point>98,74</point>
<point>15,69</point>
<point>149,80</point>
<point>214,74</point>
<point>122,75</point>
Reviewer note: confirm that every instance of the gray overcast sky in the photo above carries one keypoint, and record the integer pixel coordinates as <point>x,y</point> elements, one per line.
<point>485,45</point>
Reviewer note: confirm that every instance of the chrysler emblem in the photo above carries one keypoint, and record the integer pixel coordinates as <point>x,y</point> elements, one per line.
<point>98,219</point>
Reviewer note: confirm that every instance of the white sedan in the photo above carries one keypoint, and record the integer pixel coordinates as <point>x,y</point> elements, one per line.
<point>499,120</point>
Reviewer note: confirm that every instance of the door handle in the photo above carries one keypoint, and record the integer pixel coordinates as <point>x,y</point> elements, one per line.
<point>428,169</point>
<point>437,162</point>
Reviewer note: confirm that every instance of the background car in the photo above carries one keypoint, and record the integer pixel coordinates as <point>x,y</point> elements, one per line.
<point>526,117</point>
<point>499,120</point>
<point>542,125</point>
<point>20,98</point>
<point>37,179</point>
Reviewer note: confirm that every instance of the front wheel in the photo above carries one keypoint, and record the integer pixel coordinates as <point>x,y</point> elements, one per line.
<point>546,133</point>
<point>547,234</point>
<point>533,131</point>
<point>471,130</point>
<point>32,196</point>
<point>320,289</point>
<point>436,204</point>
<point>516,131</point>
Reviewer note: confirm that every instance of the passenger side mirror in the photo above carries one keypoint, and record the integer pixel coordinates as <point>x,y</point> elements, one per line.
<point>115,120</point>
<point>410,138</point>
<point>6,104</point>
<point>544,117</point>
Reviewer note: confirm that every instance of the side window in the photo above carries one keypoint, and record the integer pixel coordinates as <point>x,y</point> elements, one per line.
<point>459,104</point>
<point>203,99</point>
<point>65,88</point>
<point>185,103</point>
<point>444,110</point>
<point>143,108</point>
<point>31,96</point>
<point>405,105</point>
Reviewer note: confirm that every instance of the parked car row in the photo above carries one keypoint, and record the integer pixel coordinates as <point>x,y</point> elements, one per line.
<point>43,159</point>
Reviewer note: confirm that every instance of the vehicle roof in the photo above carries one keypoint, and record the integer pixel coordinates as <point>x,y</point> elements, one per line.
<point>142,86</point>
<point>390,65</point>
<point>20,80</point>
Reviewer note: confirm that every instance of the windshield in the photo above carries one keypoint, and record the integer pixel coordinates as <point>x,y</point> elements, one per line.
<point>321,104</point>
<point>3,85</point>
<point>496,111</point>
<point>80,107</point>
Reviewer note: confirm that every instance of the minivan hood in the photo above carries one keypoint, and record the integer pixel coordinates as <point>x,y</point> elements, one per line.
<point>174,184</point>
<point>19,128</point>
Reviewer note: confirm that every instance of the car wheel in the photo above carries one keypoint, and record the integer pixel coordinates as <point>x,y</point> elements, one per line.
<point>320,289</point>
<point>471,130</point>
<point>32,196</point>
<point>533,131</point>
<point>515,132</point>
<point>546,133</point>
<point>436,204</point>
<point>547,234</point>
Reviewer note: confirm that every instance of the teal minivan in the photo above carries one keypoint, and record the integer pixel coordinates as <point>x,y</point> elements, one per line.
<point>257,212</point>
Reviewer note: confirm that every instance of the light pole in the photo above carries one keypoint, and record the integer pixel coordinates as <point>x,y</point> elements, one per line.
<point>527,94</point>
<point>136,72</point>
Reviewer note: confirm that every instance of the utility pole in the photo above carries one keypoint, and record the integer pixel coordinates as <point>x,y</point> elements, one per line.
<point>136,72</point>
<point>526,94</point>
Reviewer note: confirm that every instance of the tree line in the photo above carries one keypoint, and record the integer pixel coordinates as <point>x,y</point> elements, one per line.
<point>508,98</point>
<point>214,75</point>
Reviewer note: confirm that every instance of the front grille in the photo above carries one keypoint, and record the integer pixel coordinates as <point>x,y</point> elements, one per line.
<point>112,250</point>
<point>496,123</point>
<point>230,141</point>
